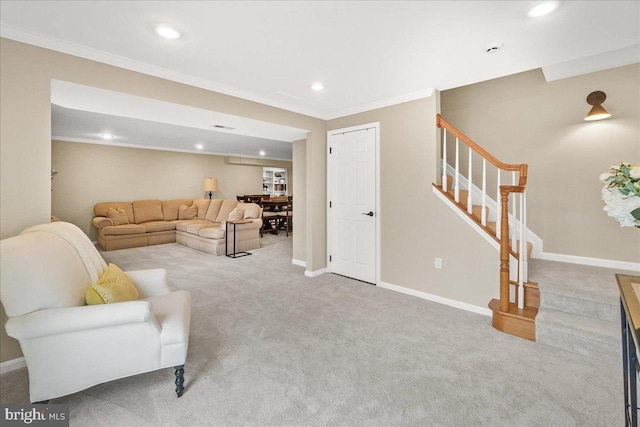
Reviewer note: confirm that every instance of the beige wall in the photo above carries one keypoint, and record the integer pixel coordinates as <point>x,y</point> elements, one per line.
<point>523,119</point>
<point>90,173</point>
<point>300,198</point>
<point>416,226</point>
<point>25,136</point>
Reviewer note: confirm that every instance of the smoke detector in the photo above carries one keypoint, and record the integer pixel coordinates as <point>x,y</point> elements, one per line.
<point>493,47</point>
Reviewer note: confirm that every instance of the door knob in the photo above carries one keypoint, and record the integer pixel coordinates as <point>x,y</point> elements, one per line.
<point>370,213</point>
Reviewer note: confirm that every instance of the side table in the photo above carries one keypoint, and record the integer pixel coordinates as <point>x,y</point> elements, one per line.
<point>234,254</point>
<point>629,287</point>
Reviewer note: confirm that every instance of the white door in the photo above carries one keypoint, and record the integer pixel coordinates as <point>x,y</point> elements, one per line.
<point>352,204</point>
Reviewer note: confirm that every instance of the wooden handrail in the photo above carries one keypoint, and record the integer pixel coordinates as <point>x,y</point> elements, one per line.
<point>522,168</point>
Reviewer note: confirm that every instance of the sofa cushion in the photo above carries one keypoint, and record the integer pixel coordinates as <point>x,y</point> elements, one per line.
<point>195,228</point>
<point>188,212</point>
<point>211,233</point>
<point>203,205</point>
<point>153,226</point>
<point>214,210</point>
<point>117,216</point>
<point>251,210</point>
<point>147,210</point>
<point>113,286</point>
<point>182,225</point>
<point>101,209</point>
<point>236,213</point>
<point>170,208</point>
<point>225,210</point>
<point>119,230</point>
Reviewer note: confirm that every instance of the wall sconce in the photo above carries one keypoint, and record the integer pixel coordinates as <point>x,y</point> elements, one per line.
<point>597,112</point>
<point>210,185</point>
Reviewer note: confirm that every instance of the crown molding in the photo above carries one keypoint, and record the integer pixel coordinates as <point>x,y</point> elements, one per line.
<point>158,148</point>
<point>74,49</point>
<point>400,99</point>
<point>63,46</point>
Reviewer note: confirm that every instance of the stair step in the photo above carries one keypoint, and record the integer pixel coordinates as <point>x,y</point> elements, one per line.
<point>578,334</point>
<point>578,289</point>
<point>580,306</point>
<point>518,322</point>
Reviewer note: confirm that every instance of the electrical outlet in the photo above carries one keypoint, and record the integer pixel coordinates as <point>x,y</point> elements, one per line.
<point>438,262</point>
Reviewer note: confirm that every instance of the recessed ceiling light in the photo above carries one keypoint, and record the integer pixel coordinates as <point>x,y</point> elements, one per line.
<point>167,32</point>
<point>199,146</point>
<point>543,8</point>
<point>317,86</point>
<point>262,153</point>
<point>106,136</point>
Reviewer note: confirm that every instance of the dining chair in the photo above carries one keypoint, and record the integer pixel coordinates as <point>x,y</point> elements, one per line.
<point>287,214</point>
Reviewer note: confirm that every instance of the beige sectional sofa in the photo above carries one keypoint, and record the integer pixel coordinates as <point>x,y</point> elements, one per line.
<point>153,222</point>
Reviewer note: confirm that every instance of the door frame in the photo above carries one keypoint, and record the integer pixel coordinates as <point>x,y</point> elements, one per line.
<point>330,134</point>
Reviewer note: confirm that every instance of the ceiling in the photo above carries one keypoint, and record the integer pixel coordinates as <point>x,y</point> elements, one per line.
<point>367,54</point>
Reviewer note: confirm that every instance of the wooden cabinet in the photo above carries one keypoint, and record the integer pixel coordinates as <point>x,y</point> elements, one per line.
<point>274,181</point>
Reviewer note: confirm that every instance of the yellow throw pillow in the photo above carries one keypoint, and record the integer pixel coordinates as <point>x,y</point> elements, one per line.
<point>118,217</point>
<point>186,212</point>
<point>113,286</point>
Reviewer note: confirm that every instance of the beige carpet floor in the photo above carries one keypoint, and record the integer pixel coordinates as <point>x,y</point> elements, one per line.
<point>271,347</point>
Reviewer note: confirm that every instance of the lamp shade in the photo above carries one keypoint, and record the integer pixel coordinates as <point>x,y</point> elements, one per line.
<point>598,112</point>
<point>211,184</point>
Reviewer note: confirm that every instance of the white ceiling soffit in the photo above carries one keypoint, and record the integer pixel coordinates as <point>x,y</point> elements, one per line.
<point>87,98</point>
<point>367,54</point>
<point>89,127</point>
<point>591,64</point>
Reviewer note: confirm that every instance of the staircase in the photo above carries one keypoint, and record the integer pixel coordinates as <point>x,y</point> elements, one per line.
<point>580,309</point>
<point>505,225</point>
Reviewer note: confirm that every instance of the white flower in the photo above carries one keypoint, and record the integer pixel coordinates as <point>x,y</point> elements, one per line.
<point>620,206</point>
<point>605,176</point>
<point>634,172</point>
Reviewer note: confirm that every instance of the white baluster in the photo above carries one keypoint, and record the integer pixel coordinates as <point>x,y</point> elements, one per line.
<point>514,235</point>
<point>525,263</point>
<point>499,204</point>
<point>484,192</point>
<point>470,185</point>
<point>444,162</point>
<point>521,256</point>
<point>457,186</point>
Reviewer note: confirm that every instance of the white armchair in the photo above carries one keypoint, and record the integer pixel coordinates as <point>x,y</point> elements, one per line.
<point>69,346</point>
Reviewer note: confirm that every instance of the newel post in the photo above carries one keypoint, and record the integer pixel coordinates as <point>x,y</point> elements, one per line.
<point>504,250</point>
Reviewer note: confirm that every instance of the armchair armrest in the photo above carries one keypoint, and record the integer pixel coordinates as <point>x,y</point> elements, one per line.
<point>150,282</point>
<point>101,222</point>
<point>63,320</point>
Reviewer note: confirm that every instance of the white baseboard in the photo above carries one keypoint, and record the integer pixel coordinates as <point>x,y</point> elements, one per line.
<point>597,262</point>
<point>315,273</point>
<point>12,365</point>
<point>298,262</point>
<point>435,298</point>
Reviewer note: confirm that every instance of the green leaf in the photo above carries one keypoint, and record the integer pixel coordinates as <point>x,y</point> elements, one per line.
<point>636,213</point>
<point>625,170</point>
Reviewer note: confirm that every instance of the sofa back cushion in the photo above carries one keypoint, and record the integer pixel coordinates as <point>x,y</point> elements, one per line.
<point>171,208</point>
<point>203,205</point>
<point>118,216</point>
<point>40,270</point>
<point>147,210</point>
<point>225,210</point>
<point>251,210</point>
<point>214,210</point>
<point>101,209</point>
